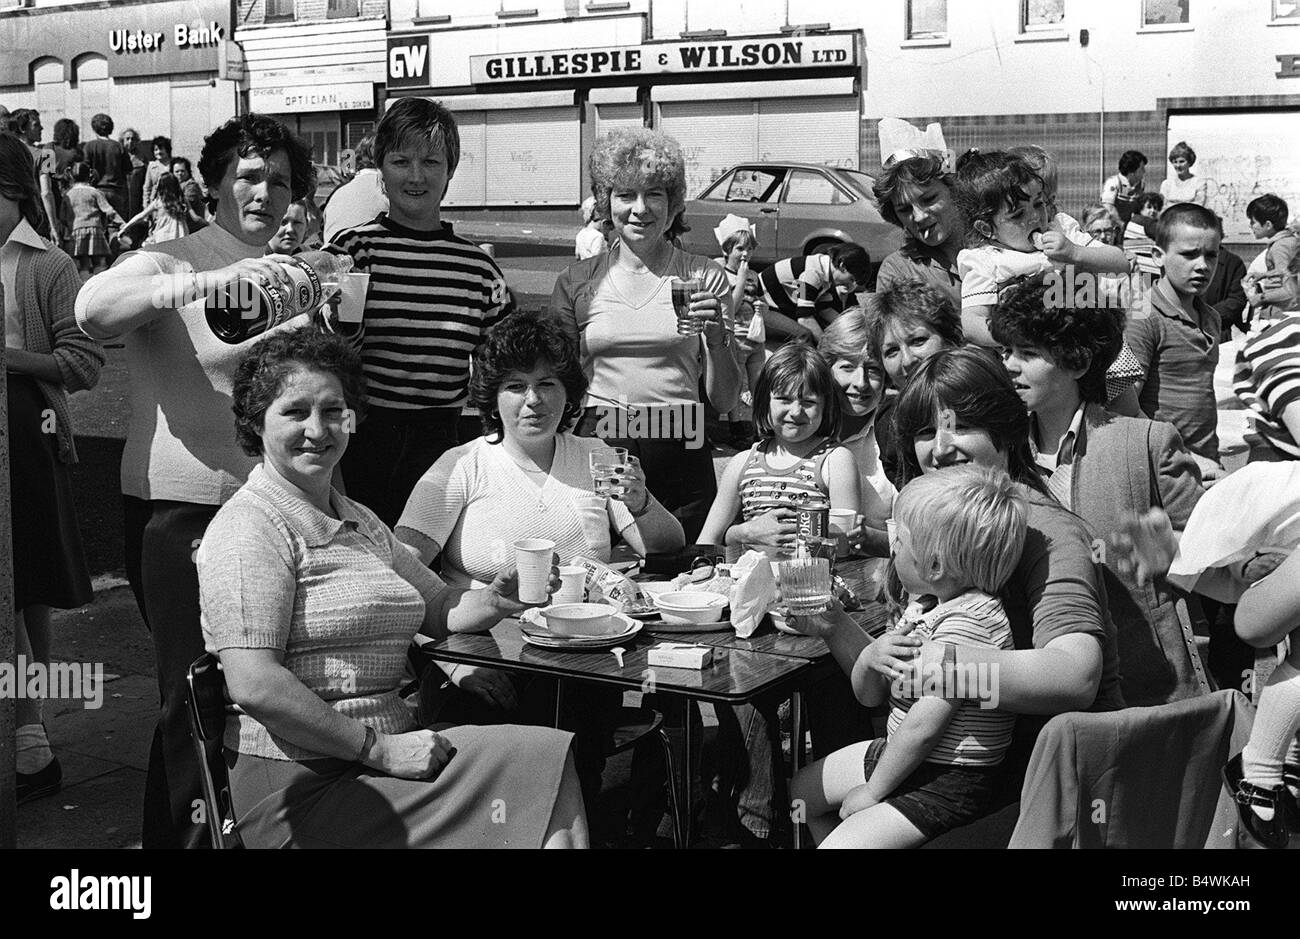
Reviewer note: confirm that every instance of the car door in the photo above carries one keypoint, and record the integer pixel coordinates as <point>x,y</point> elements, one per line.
<point>753,193</point>
<point>813,208</point>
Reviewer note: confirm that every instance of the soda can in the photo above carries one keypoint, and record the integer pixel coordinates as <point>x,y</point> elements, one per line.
<point>813,520</point>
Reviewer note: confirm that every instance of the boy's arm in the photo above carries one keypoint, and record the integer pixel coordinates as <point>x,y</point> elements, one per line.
<point>915,739</point>
<point>1142,341</point>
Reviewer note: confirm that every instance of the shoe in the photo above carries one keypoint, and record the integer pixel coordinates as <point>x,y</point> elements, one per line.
<point>1272,833</point>
<point>1290,779</point>
<point>41,783</point>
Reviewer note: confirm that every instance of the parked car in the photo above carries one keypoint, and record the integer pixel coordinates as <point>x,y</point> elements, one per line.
<point>796,208</point>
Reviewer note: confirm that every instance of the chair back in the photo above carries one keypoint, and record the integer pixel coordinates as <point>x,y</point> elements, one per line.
<point>208,705</point>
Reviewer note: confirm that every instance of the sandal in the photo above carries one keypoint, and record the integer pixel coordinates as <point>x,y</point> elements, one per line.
<point>1272,833</point>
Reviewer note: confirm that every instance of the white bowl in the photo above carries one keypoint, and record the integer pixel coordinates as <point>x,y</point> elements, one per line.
<point>685,606</point>
<point>581,619</point>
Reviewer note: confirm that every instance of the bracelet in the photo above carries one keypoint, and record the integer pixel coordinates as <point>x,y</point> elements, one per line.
<point>645,508</point>
<point>371,738</point>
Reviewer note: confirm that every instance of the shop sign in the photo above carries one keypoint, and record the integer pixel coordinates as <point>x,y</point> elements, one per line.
<point>408,61</point>
<point>195,35</point>
<point>687,58</point>
<point>348,96</point>
<point>1288,66</point>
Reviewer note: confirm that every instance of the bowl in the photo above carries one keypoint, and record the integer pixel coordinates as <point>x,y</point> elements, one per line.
<point>685,606</point>
<point>581,619</point>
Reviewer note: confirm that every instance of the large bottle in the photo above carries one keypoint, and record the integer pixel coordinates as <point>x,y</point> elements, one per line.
<point>249,308</point>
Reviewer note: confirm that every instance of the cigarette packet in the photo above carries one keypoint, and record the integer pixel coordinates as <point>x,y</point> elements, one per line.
<point>680,655</point>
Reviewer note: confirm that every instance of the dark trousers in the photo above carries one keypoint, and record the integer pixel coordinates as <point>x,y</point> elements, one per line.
<point>390,451</point>
<point>161,538</point>
<point>679,476</point>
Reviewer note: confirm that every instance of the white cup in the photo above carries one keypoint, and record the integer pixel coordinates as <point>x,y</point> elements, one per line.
<point>352,296</point>
<point>573,585</point>
<point>533,562</point>
<point>841,523</point>
<point>891,532</point>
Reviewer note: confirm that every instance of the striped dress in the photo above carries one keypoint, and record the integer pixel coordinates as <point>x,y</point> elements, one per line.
<point>1267,380</point>
<point>977,736</point>
<point>432,299</point>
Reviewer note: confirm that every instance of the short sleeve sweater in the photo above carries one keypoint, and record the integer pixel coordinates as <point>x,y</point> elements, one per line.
<point>629,352</point>
<point>180,443</point>
<point>475,502</point>
<point>340,597</point>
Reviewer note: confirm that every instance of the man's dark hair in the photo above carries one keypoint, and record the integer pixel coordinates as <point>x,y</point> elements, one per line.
<point>1269,208</point>
<point>1189,214</point>
<point>1131,161</point>
<point>363,157</point>
<point>854,259</point>
<point>101,124</point>
<point>163,142</point>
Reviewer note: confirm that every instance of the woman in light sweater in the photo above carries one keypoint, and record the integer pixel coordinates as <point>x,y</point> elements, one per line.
<point>46,356</point>
<point>180,462</point>
<point>311,603</point>
<point>645,372</point>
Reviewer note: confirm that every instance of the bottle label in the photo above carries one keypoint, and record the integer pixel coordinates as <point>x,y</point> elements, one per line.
<point>305,287</point>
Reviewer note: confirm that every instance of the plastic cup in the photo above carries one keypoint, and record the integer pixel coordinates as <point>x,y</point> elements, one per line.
<point>352,296</point>
<point>533,562</point>
<point>683,292</point>
<point>573,585</point>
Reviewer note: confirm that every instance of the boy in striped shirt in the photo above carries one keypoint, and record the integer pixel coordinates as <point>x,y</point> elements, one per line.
<point>960,531</point>
<point>432,299</point>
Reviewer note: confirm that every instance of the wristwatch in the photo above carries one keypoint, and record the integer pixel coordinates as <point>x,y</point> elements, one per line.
<point>726,340</point>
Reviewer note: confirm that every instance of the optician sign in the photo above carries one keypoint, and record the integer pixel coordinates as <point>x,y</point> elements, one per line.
<point>348,96</point>
<point>787,52</point>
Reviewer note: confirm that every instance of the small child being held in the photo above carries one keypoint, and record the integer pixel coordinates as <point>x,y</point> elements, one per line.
<point>959,535</point>
<point>796,461</point>
<point>1010,235</point>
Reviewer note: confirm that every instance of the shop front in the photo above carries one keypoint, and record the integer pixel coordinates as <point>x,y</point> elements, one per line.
<point>157,67</point>
<point>531,108</point>
<point>319,78</point>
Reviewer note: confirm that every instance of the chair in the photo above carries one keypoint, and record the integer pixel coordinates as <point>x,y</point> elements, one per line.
<point>1141,777</point>
<point>631,725</point>
<point>208,706</point>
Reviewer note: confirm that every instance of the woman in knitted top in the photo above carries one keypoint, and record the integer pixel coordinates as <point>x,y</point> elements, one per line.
<point>46,356</point>
<point>311,604</point>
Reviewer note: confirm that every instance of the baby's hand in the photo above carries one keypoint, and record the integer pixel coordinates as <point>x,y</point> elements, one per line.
<point>1058,248</point>
<point>858,800</point>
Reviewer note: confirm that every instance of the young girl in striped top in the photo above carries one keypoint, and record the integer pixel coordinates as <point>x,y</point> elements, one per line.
<point>960,531</point>
<point>797,461</point>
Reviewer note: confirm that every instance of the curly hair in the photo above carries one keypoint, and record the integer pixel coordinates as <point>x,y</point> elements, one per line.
<point>972,384</point>
<point>988,182</point>
<point>912,302</point>
<point>796,368</point>
<point>639,158</point>
<point>915,172</point>
<point>1076,338</point>
<point>263,370</point>
<point>101,124</point>
<point>255,134</point>
<point>66,134</point>
<point>518,344</point>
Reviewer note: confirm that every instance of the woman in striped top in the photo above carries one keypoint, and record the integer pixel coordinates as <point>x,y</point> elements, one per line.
<point>432,299</point>
<point>1267,381</point>
<point>959,537</point>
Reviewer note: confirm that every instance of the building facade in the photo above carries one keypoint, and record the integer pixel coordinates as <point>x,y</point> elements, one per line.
<point>317,65</point>
<point>156,66</point>
<point>536,81</point>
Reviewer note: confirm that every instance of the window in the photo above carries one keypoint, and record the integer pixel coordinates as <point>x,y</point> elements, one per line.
<point>278,10</point>
<point>437,10</point>
<point>1165,12</point>
<point>1038,15</point>
<point>338,9</point>
<point>1286,11</point>
<point>749,185</point>
<point>806,188</point>
<point>927,19</point>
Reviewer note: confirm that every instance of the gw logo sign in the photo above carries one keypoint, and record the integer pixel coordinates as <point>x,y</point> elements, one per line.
<point>408,61</point>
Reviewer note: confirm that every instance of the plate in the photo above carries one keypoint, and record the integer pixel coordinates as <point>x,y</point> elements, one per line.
<point>659,626</point>
<point>537,634</point>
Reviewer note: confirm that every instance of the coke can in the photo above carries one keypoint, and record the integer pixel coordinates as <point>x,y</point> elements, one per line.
<point>813,521</point>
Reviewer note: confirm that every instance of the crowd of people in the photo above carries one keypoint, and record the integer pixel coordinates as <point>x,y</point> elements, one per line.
<point>304,505</point>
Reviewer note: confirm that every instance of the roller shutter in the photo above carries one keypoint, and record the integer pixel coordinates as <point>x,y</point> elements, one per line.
<point>714,135</point>
<point>809,130</point>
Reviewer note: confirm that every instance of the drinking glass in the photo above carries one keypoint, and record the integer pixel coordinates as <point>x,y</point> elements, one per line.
<point>683,291</point>
<point>607,466</point>
<point>805,585</point>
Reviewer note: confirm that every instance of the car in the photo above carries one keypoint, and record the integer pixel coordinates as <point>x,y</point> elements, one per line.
<point>328,178</point>
<point>796,209</point>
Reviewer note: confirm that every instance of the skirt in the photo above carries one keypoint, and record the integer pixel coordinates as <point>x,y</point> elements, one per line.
<point>89,243</point>
<point>498,791</point>
<point>49,562</point>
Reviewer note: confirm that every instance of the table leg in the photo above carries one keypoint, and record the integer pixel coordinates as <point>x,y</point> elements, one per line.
<point>559,700</point>
<point>796,754</point>
<point>688,810</point>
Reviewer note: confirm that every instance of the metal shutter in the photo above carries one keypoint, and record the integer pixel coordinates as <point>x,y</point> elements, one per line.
<point>533,156</point>
<point>809,130</point>
<point>612,117</point>
<point>469,185</point>
<point>713,134</point>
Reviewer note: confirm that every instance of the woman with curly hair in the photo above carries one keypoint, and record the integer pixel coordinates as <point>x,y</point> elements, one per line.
<point>645,369</point>
<point>311,605</point>
<point>181,462</point>
<point>1106,468</point>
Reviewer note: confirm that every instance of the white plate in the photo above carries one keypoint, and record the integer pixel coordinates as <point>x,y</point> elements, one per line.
<point>537,634</point>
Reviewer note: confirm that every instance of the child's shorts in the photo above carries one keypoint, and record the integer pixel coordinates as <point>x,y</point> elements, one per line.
<point>936,797</point>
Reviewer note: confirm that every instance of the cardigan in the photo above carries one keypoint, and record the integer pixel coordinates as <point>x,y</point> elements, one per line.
<point>1122,465</point>
<point>47,283</point>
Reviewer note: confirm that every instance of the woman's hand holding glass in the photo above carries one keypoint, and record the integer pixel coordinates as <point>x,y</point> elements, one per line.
<point>420,754</point>
<point>706,315</point>
<point>629,486</point>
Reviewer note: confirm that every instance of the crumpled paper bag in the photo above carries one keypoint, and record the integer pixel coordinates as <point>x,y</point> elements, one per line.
<point>753,592</point>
